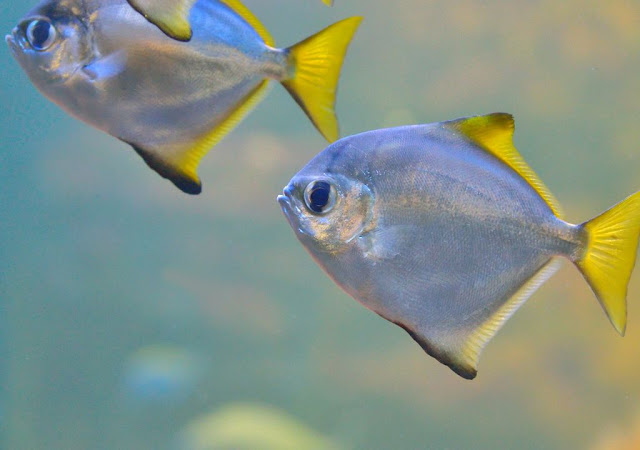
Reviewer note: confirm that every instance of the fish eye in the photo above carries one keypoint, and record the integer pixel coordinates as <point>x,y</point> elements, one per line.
<point>320,196</point>
<point>41,34</point>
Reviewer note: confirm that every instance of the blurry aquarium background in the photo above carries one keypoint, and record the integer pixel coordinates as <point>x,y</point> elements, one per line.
<point>135,317</point>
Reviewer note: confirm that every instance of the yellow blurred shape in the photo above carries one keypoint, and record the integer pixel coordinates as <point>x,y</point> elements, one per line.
<point>252,426</point>
<point>619,439</point>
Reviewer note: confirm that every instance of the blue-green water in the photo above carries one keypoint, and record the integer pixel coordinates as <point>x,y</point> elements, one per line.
<point>129,311</point>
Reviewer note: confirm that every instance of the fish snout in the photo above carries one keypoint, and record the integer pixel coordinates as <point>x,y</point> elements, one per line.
<point>11,40</point>
<point>15,41</point>
<point>287,204</point>
<point>286,197</point>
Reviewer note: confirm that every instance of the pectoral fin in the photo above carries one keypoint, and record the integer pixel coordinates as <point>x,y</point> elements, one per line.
<point>383,243</point>
<point>179,162</point>
<point>171,16</point>
<point>106,67</point>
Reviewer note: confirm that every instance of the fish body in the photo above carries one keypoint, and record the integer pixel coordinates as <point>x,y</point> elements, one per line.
<point>172,100</point>
<point>445,231</point>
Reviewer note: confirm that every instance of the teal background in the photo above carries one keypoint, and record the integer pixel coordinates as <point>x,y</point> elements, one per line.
<point>100,257</point>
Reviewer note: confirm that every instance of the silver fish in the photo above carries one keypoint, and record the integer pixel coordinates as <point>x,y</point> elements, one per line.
<point>104,63</point>
<point>444,230</point>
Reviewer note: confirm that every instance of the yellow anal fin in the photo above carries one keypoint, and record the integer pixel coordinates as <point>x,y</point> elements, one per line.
<point>187,182</point>
<point>494,133</point>
<point>461,350</point>
<point>474,343</point>
<point>328,2</point>
<point>317,62</point>
<point>179,162</point>
<point>171,16</point>
<point>251,19</point>
<point>609,257</point>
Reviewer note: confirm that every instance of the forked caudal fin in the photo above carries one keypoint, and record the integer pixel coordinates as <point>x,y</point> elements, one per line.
<point>316,69</point>
<point>609,257</point>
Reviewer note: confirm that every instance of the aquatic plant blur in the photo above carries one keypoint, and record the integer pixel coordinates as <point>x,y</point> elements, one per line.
<point>101,258</point>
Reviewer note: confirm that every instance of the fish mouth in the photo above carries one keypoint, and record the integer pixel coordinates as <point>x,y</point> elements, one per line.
<point>291,210</point>
<point>13,42</point>
<point>286,201</point>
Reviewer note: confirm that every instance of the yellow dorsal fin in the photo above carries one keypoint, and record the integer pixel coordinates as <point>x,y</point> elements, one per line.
<point>494,133</point>
<point>171,16</point>
<point>252,20</point>
<point>179,162</point>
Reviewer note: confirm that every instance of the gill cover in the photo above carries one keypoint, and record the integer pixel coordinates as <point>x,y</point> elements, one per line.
<point>346,217</point>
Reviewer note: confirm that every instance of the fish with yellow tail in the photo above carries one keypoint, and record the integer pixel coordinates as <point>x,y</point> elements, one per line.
<point>172,16</point>
<point>173,99</point>
<point>444,230</point>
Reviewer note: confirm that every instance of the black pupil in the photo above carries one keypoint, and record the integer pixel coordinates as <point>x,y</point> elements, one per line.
<point>319,196</point>
<point>40,33</point>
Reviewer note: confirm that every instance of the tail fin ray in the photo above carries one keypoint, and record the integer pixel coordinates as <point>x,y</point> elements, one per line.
<point>316,69</point>
<point>609,257</point>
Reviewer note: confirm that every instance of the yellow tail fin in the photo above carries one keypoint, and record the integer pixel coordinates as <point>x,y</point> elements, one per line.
<point>316,68</point>
<point>610,255</point>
